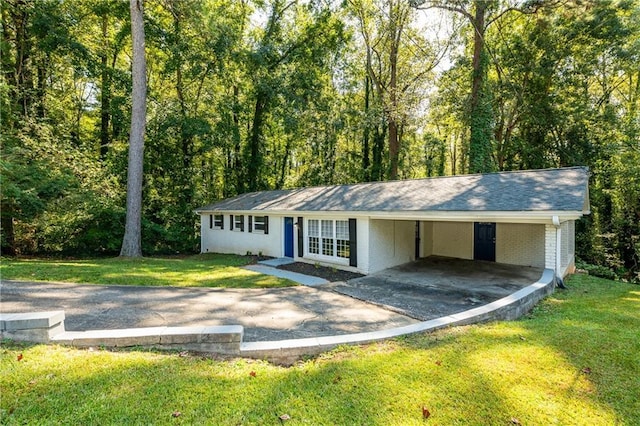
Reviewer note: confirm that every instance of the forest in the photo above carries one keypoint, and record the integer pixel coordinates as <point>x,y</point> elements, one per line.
<point>247,95</point>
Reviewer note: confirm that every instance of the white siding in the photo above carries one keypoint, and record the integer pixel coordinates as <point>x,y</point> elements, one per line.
<point>240,242</point>
<point>520,244</point>
<point>391,243</point>
<point>567,247</point>
<point>364,262</point>
<point>426,238</point>
<point>564,257</point>
<point>453,239</point>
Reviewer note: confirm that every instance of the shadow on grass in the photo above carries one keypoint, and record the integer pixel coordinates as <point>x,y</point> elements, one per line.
<point>533,371</point>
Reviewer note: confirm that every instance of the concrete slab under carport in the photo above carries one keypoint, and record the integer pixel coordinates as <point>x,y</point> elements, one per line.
<point>435,286</point>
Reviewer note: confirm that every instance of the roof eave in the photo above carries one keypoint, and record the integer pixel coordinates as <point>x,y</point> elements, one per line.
<point>538,216</point>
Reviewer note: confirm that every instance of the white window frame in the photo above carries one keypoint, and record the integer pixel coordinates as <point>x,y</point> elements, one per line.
<point>238,222</point>
<point>334,258</point>
<point>218,224</point>
<point>257,223</point>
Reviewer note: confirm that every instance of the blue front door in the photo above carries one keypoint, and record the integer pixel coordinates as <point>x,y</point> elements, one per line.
<point>288,237</point>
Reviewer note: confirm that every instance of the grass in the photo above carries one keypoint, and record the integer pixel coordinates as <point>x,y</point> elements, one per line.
<point>572,361</point>
<point>204,270</point>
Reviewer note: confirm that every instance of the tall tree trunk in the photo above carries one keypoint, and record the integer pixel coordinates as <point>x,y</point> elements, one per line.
<point>394,147</point>
<point>8,246</point>
<point>379,135</point>
<point>392,108</point>
<point>132,241</point>
<point>254,166</point>
<point>105,93</point>
<point>41,88</point>
<point>366,172</point>
<point>284,164</point>
<point>237,156</point>
<point>23,71</point>
<point>480,148</point>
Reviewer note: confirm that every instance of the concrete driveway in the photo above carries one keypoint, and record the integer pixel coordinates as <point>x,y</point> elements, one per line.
<point>400,296</point>
<point>266,314</point>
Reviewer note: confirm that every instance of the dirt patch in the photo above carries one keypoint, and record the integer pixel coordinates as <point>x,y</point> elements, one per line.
<point>329,274</point>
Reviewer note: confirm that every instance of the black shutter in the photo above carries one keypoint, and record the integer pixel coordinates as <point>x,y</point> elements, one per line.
<point>353,243</point>
<point>241,223</point>
<point>250,223</point>
<point>221,221</point>
<point>210,221</point>
<point>300,238</point>
<point>231,222</point>
<point>266,224</point>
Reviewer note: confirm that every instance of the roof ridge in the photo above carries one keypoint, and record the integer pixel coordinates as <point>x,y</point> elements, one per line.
<point>380,182</point>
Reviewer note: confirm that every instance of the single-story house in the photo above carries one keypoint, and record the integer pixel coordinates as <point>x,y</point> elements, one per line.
<point>522,218</point>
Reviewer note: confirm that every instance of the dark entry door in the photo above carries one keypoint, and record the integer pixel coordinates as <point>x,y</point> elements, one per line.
<point>484,241</point>
<point>288,237</point>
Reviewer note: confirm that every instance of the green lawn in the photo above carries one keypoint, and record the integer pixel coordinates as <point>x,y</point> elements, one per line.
<point>204,270</point>
<point>575,360</point>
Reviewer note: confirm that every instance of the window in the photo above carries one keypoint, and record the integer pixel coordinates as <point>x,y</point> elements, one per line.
<point>314,237</point>
<point>218,221</point>
<point>238,222</point>
<point>328,238</point>
<point>342,239</point>
<point>259,223</point>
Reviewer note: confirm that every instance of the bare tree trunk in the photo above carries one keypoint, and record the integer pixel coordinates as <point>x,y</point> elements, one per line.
<point>392,108</point>
<point>367,130</point>
<point>105,93</point>
<point>132,241</point>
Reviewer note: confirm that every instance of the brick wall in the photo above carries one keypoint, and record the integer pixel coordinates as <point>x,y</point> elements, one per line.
<point>520,244</point>
<point>453,239</point>
<point>550,247</point>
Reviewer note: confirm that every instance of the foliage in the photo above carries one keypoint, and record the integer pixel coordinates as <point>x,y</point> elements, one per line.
<point>205,270</point>
<point>573,360</point>
<point>277,94</point>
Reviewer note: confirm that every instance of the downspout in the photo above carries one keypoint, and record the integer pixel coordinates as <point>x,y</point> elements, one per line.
<point>557,278</point>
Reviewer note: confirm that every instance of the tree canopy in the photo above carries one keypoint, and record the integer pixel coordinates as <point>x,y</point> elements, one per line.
<point>253,94</point>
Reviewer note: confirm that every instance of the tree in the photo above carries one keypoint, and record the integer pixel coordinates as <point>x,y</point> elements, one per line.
<point>398,62</point>
<point>285,67</point>
<point>132,240</point>
<point>481,14</point>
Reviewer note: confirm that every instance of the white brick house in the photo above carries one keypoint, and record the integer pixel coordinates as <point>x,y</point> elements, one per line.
<point>523,218</point>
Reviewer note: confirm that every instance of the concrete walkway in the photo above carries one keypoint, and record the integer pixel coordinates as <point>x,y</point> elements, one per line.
<point>281,273</point>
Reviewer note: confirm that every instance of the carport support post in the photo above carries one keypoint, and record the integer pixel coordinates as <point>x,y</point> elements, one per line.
<point>556,223</point>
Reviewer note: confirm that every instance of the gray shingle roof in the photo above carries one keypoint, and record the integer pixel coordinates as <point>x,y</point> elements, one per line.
<point>564,189</point>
